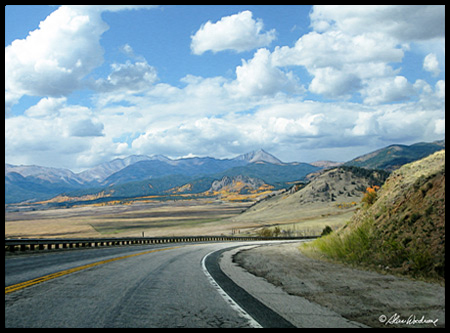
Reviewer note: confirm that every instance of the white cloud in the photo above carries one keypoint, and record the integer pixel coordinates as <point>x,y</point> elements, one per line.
<point>352,49</point>
<point>128,76</point>
<point>46,107</point>
<point>262,106</point>
<point>365,125</point>
<point>239,32</point>
<point>387,90</point>
<point>431,64</point>
<point>110,8</point>
<point>297,126</point>
<point>440,127</point>
<point>340,63</point>
<point>51,133</point>
<point>440,89</point>
<point>406,23</point>
<point>333,83</point>
<point>42,141</point>
<point>53,59</point>
<point>259,76</point>
<point>335,48</point>
<point>86,128</point>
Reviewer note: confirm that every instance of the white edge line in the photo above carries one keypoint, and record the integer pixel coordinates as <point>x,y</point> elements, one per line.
<point>253,323</point>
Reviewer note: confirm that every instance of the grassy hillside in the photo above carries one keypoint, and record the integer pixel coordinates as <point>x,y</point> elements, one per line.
<point>329,198</point>
<point>401,229</point>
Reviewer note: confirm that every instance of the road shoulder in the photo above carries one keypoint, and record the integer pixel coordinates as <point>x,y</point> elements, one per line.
<point>298,283</point>
<point>295,309</point>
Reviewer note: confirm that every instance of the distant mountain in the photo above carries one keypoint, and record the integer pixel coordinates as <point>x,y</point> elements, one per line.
<point>31,183</point>
<point>273,174</point>
<point>45,174</point>
<point>251,176</point>
<point>152,169</point>
<point>36,183</point>
<point>138,175</point>
<point>104,170</point>
<point>259,156</point>
<point>394,156</point>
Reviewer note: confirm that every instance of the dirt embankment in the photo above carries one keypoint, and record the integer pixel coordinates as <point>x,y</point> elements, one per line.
<point>367,297</point>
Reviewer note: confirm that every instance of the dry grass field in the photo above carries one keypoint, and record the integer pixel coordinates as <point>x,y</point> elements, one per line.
<point>169,218</point>
<point>153,218</point>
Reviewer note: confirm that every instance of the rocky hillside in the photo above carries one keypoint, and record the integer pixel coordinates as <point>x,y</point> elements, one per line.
<point>239,188</point>
<point>402,230</point>
<point>331,193</point>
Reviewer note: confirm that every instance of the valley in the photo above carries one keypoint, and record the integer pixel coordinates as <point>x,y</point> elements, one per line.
<point>149,217</point>
<point>251,194</point>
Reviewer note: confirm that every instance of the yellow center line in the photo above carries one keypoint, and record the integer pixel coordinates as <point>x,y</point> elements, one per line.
<point>29,283</point>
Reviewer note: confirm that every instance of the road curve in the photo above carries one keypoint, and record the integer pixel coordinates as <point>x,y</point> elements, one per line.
<point>137,286</point>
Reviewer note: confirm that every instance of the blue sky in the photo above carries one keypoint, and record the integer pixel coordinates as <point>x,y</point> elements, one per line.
<point>88,83</point>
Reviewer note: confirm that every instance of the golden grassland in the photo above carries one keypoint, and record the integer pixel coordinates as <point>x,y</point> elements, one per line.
<point>153,218</point>
<point>182,215</point>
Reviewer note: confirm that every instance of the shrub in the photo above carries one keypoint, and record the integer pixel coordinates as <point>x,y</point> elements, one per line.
<point>327,230</point>
<point>370,196</point>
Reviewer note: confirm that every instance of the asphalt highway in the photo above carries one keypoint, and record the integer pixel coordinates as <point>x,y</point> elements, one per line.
<point>167,285</point>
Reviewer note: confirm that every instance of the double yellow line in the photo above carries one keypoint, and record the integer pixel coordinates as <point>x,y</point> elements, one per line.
<point>32,282</point>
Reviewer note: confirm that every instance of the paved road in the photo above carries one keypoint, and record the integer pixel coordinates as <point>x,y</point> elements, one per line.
<point>153,286</point>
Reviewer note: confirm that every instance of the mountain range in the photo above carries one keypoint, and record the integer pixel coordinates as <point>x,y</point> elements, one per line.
<point>394,156</point>
<point>144,175</point>
<point>140,175</point>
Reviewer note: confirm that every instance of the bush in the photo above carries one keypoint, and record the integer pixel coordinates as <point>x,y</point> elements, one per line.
<point>326,231</point>
<point>266,232</point>
<point>353,247</point>
<point>370,196</point>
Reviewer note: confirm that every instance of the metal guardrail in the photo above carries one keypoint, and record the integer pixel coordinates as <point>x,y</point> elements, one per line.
<point>13,245</point>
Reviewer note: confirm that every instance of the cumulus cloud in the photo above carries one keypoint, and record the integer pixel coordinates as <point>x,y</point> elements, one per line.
<point>333,83</point>
<point>351,48</point>
<point>51,133</point>
<point>431,64</point>
<point>128,76</point>
<point>239,32</point>
<point>86,128</point>
<point>351,51</point>
<point>404,22</point>
<point>387,90</point>
<point>298,126</point>
<point>53,59</point>
<point>259,76</point>
<point>46,107</point>
<point>340,63</point>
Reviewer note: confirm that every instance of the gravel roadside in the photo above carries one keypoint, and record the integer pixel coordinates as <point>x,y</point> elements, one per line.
<point>362,296</point>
